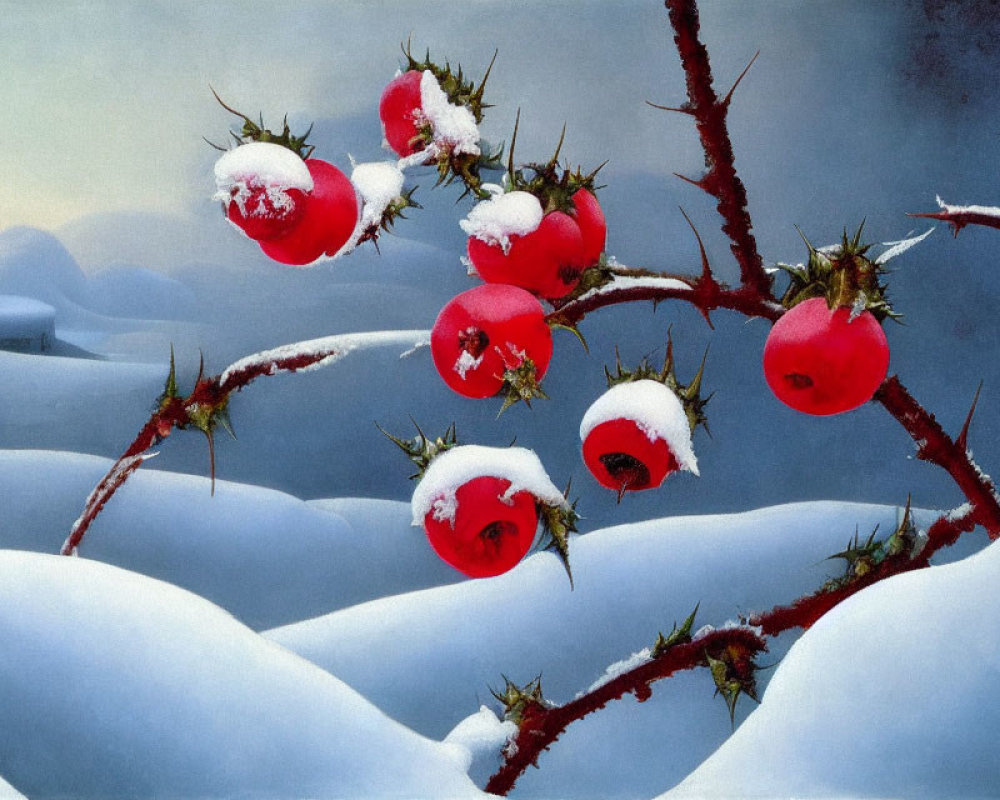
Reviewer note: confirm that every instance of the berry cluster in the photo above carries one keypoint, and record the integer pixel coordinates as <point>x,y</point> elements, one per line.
<point>536,240</point>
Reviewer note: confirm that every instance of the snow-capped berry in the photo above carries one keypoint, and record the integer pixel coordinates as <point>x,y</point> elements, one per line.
<point>635,434</point>
<point>491,535</point>
<point>512,241</point>
<point>417,115</point>
<point>330,218</point>
<point>400,111</point>
<point>479,506</point>
<point>263,187</point>
<point>590,217</point>
<point>486,331</point>
<point>547,262</point>
<point>822,361</point>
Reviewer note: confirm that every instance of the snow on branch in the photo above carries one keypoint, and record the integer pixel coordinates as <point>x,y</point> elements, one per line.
<point>960,216</point>
<point>312,354</point>
<point>727,652</point>
<point>206,407</point>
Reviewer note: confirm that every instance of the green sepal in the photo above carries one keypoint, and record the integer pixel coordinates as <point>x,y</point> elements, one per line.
<point>517,700</point>
<point>843,275</point>
<point>558,522</point>
<point>681,635</point>
<point>256,132</point>
<point>689,395</point>
<point>520,383</point>
<point>421,449</point>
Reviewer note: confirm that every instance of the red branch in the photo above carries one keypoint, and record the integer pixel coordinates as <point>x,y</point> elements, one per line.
<point>705,295</point>
<point>958,217</point>
<point>721,180</point>
<point>542,724</point>
<point>934,445</point>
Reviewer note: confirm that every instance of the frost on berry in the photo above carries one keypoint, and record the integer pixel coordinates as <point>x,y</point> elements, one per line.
<point>495,220</point>
<point>654,408</point>
<point>260,165</point>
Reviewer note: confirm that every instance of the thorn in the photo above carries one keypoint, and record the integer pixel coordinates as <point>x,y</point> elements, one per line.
<point>555,156</point>
<point>678,110</point>
<point>706,270</point>
<point>963,437</point>
<point>211,459</point>
<point>729,96</point>
<point>699,183</point>
<point>201,366</point>
<point>230,109</point>
<point>513,141</point>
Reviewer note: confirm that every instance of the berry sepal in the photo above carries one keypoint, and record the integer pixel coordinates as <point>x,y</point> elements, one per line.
<point>558,522</point>
<point>689,395</point>
<point>843,274</point>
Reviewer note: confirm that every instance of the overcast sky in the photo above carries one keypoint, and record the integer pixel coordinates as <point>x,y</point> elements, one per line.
<point>106,103</point>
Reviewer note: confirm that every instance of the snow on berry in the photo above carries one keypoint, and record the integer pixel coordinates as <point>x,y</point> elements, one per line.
<point>495,220</point>
<point>264,162</point>
<point>656,410</point>
<point>261,184</point>
<point>452,126</point>
<point>436,492</point>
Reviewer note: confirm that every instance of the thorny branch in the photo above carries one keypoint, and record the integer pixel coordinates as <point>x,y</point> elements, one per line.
<point>206,407</point>
<point>540,724</point>
<point>960,216</point>
<point>720,180</point>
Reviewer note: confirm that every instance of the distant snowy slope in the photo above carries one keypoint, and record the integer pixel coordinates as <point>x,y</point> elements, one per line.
<point>116,685</point>
<point>265,556</point>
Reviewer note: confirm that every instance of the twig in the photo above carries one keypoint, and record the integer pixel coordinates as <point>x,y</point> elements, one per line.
<point>960,216</point>
<point>934,445</point>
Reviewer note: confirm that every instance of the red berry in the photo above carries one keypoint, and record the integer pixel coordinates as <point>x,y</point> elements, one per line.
<point>635,434</point>
<point>490,533</point>
<point>484,331</point>
<point>262,215</point>
<point>825,362</point>
<point>330,217</point>
<point>622,457</point>
<point>263,187</point>
<point>547,262</point>
<point>401,112</point>
<point>593,228</point>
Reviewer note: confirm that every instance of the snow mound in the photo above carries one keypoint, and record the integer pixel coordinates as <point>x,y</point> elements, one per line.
<point>116,685</point>
<point>236,548</point>
<point>34,263</point>
<point>23,319</point>
<point>890,698</point>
